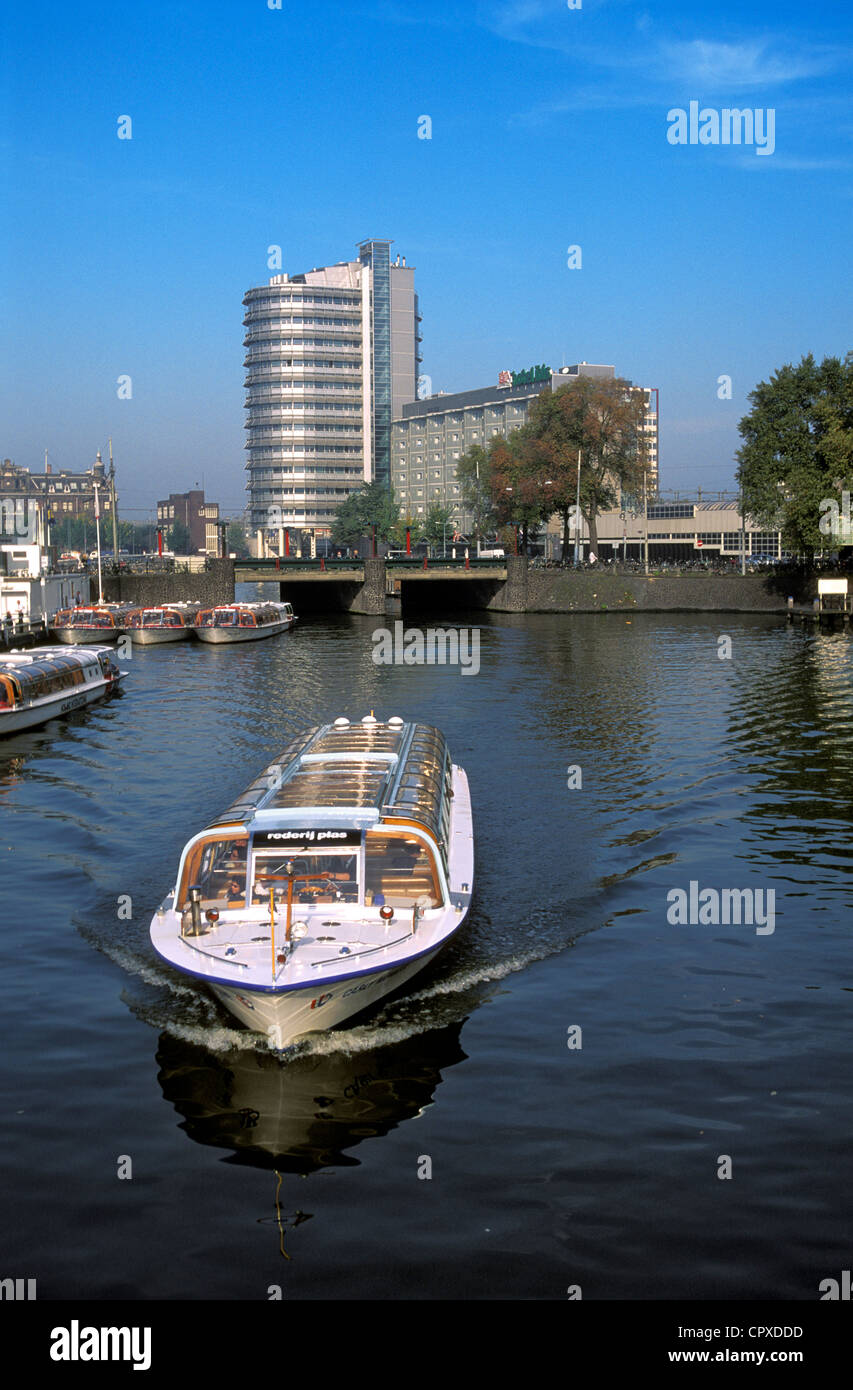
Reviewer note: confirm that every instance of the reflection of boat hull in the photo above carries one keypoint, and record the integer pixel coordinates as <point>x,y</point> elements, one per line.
<point>285,1016</point>
<point>306,1113</point>
<point>152,636</point>
<point>240,634</point>
<point>85,636</point>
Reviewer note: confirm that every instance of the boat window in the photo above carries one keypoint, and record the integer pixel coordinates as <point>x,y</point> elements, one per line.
<point>219,867</point>
<point>247,620</point>
<point>399,871</point>
<point>224,619</point>
<point>333,876</point>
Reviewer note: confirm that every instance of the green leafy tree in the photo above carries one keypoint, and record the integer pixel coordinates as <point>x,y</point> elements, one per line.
<point>519,498</point>
<point>438,524</point>
<point>179,538</point>
<point>415,528</point>
<point>473,473</point>
<point>797,455</point>
<point>235,540</point>
<point>370,506</point>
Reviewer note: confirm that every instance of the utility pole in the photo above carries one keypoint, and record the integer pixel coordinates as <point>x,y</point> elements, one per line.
<point>742,535</point>
<point>46,536</point>
<point>113,504</point>
<point>645,522</point>
<point>98,543</point>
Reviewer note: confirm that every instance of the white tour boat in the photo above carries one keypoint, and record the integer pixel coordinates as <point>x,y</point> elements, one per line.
<point>97,622</point>
<point>243,622</point>
<point>48,681</point>
<point>336,876</point>
<point>167,622</point>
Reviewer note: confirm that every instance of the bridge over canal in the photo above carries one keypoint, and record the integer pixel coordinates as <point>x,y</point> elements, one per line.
<point>365,586</point>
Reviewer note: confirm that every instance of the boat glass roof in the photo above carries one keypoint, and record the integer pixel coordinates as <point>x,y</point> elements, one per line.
<point>401,771</point>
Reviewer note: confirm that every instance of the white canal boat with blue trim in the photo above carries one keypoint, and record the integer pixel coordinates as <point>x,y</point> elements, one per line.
<point>45,682</point>
<point>338,874</point>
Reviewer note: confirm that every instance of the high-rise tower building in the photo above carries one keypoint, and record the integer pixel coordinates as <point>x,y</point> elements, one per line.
<point>332,355</point>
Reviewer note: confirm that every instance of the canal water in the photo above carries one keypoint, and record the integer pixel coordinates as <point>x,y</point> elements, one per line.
<point>606,1100</point>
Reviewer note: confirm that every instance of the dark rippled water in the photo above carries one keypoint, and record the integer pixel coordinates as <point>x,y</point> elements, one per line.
<point>551,1166</point>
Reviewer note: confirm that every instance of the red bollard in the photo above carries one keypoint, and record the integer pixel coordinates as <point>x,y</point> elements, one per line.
<point>425,562</point>
<point>467,561</point>
<point>277,563</point>
<point>322,562</point>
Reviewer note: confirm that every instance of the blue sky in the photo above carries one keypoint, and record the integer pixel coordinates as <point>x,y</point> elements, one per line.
<point>298,127</point>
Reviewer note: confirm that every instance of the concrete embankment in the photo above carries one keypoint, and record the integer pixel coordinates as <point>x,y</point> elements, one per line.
<point>556,591</point>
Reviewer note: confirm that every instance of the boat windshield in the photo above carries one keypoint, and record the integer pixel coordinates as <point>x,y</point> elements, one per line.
<point>399,871</point>
<point>331,876</point>
<point>218,866</point>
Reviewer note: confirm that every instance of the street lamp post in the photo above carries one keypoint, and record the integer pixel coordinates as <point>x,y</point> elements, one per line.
<point>578,514</point>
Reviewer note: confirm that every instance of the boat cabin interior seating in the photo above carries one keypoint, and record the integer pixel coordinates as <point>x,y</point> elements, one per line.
<point>399,872</point>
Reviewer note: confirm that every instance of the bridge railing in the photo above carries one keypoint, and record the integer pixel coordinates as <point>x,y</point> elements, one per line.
<point>440,562</point>
<point>291,563</point>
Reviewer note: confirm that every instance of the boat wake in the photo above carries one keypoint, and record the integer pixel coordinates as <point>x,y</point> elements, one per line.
<point>458,983</point>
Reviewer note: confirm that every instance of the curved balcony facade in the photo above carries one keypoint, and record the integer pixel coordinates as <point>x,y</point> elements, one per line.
<point>305,438</point>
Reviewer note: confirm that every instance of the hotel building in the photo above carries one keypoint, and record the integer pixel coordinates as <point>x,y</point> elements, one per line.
<point>332,356</point>
<point>430,436</point>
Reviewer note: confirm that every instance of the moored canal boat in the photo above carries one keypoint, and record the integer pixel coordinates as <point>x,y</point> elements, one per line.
<point>167,622</point>
<point>97,622</point>
<point>333,879</point>
<point>243,622</point>
<point>48,681</point>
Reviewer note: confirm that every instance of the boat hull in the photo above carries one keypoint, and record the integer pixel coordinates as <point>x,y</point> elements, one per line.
<point>86,636</point>
<point>14,721</point>
<point>218,635</point>
<point>289,1014</point>
<point>153,636</point>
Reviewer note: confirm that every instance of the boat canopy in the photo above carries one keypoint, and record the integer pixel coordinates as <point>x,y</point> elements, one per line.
<point>95,615</point>
<point>392,772</point>
<point>21,683</point>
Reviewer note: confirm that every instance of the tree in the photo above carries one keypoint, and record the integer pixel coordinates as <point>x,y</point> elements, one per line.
<point>797,455</point>
<point>473,472</point>
<point>600,420</point>
<point>235,540</point>
<point>369,506</point>
<point>179,538</point>
<point>414,527</point>
<point>438,519</point>
<point>519,497</point>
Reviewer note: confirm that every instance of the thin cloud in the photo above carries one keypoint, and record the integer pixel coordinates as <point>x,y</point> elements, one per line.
<point>732,65</point>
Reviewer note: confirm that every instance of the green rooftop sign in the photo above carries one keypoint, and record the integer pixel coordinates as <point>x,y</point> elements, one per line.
<point>540,373</point>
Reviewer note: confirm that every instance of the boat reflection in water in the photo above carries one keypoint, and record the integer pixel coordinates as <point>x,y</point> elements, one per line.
<point>306,1114</point>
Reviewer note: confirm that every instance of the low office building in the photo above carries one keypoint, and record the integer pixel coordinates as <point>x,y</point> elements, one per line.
<point>679,530</point>
<point>201,519</point>
<point>430,436</point>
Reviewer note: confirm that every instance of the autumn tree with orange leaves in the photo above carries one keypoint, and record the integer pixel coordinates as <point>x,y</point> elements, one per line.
<point>603,421</point>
